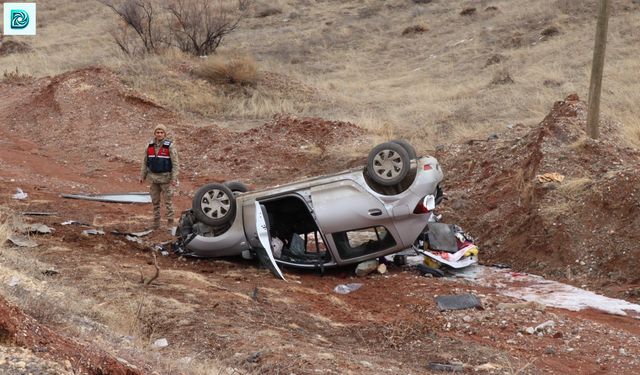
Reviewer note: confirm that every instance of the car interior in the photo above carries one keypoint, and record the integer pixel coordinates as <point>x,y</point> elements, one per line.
<point>294,232</point>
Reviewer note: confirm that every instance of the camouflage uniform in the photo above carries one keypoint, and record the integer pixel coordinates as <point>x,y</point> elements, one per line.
<point>161,182</point>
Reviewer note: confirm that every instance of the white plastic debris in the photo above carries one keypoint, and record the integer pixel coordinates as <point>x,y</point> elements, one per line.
<point>22,241</point>
<point>160,343</point>
<point>132,239</point>
<point>93,231</point>
<point>347,288</point>
<point>20,194</point>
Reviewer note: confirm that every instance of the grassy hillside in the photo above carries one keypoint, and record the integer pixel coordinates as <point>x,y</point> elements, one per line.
<point>431,71</point>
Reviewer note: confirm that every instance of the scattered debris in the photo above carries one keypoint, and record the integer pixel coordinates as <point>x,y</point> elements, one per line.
<point>426,270</point>
<point>73,222</point>
<point>113,198</point>
<point>382,269</point>
<point>446,244</point>
<point>550,177</point>
<point>347,288</point>
<point>39,213</point>
<point>133,239</point>
<point>22,241</point>
<point>458,302</point>
<point>132,234</point>
<point>35,228</point>
<point>87,232</point>
<point>20,194</point>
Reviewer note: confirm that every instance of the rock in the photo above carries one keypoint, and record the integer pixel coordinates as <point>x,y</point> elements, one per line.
<point>367,267</point>
<point>549,350</point>
<point>487,367</point>
<point>522,305</point>
<point>160,343</point>
<point>530,330</point>
<point>15,280</point>
<point>546,326</point>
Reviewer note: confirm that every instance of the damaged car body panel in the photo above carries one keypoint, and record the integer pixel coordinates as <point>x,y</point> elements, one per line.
<point>325,221</point>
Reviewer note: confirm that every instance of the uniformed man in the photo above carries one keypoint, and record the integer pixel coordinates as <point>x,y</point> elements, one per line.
<point>160,166</point>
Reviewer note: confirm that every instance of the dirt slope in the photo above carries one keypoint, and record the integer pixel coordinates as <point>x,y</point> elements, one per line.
<point>583,229</point>
<point>229,316</point>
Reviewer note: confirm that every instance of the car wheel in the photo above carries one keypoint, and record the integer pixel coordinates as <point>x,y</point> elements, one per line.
<point>214,204</point>
<point>388,163</point>
<point>407,147</point>
<point>236,187</point>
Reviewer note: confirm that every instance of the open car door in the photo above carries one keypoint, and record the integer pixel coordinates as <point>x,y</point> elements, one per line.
<point>265,254</point>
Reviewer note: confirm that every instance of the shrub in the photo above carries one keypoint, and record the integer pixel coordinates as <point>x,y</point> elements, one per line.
<point>416,29</point>
<point>239,70</point>
<point>15,77</point>
<point>194,26</point>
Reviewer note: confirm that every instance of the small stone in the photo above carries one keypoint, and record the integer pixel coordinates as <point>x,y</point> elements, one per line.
<point>160,343</point>
<point>549,350</point>
<point>530,330</point>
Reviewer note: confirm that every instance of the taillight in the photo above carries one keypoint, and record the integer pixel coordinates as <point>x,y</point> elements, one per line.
<point>421,208</point>
<point>426,204</point>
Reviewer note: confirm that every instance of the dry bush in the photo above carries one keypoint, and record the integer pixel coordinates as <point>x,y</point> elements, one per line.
<point>141,21</point>
<point>15,77</point>
<point>8,47</point>
<point>194,26</point>
<point>502,77</point>
<point>468,12</point>
<point>237,70</point>
<point>415,29</point>
<point>5,225</point>
<point>198,26</point>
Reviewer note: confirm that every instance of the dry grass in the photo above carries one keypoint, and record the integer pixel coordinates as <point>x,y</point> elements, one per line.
<point>433,87</point>
<point>233,70</point>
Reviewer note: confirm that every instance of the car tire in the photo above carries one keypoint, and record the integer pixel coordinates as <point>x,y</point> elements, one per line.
<point>407,147</point>
<point>236,187</point>
<point>214,205</point>
<point>388,163</point>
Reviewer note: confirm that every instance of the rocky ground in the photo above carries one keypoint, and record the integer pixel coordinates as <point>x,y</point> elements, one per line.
<point>87,310</point>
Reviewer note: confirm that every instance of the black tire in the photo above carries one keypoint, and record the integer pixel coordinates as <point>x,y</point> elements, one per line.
<point>407,147</point>
<point>388,163</point>
<point>214,204</point>
<point>236,187</point>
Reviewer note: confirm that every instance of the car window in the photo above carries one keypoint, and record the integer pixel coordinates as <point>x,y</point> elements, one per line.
<point>356,243</point>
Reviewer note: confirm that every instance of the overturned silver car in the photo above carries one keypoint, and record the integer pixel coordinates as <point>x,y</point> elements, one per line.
<point>326,221</point>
